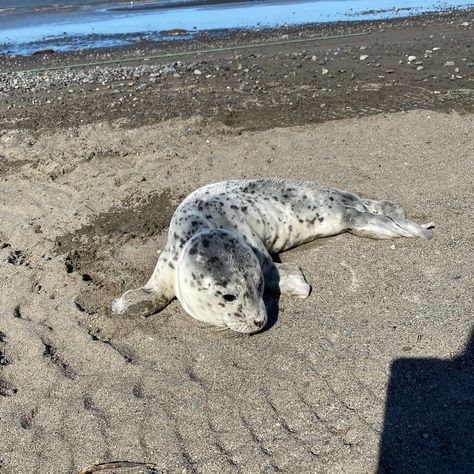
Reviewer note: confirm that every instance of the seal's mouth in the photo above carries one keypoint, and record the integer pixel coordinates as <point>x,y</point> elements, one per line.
<point>255,321</point>
<point>252,326</point>
<point>246,328</point>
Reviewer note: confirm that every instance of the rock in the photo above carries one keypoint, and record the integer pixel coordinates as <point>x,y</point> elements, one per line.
<point>436,48</point>
<point>420,68</point>
<point>197,72</point>
<point>363,57</point>
<point>43,52</point>
<point>324,71</point>
<point>449,63</point>
<point>168,69</point>
<point>314,58</point>
<point>411,58</point>
<point>174,32</point>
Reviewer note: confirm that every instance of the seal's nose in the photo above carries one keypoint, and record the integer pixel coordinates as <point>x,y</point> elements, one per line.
<point>259,318</point>
<point>260,323</point>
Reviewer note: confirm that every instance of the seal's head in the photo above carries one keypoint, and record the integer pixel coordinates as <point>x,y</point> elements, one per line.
<point>220,281</point>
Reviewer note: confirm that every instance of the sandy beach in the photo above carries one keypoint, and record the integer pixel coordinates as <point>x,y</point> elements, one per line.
<point>372,373</point>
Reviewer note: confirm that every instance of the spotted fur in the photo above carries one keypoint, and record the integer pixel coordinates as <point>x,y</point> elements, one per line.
<point>217,260</point>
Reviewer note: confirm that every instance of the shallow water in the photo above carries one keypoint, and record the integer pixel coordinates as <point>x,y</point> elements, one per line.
<point>72,24</point>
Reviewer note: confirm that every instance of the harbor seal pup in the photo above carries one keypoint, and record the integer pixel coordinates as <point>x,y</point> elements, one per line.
<point>217,260</point>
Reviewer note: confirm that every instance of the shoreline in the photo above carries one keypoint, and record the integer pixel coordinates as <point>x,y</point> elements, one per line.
<point>283,83</point>
<point>93,28</point>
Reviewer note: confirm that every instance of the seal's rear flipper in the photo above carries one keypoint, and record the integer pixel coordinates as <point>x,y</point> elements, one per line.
<point>140,302</point>
<point>365,224</point>
<point>290,280</point>
<point>386,208</point>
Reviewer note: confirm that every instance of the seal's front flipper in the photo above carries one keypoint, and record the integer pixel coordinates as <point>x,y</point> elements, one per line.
<point>365,224</point>
<point>140,302</point>
<point>291,281</point>
<point>154,296</point>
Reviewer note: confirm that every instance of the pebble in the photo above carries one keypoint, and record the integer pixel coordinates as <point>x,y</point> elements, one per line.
<point>411,58</point>
<point>449,63</point>
<point>324,71</point>
<point>79,77</point>
<point>168,69</point>
<point>363,57</point>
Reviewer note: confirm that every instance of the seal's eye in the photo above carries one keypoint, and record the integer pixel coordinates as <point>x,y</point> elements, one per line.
<point>229,297</point>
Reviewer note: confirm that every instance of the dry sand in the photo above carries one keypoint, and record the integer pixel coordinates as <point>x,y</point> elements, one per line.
<point>83,212</point>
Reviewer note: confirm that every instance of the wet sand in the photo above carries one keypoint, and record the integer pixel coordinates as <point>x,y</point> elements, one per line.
<point>88,189</point>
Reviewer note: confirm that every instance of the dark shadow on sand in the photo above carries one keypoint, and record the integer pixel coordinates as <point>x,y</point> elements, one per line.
<point>272,302</point>
<point>429,416</point>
